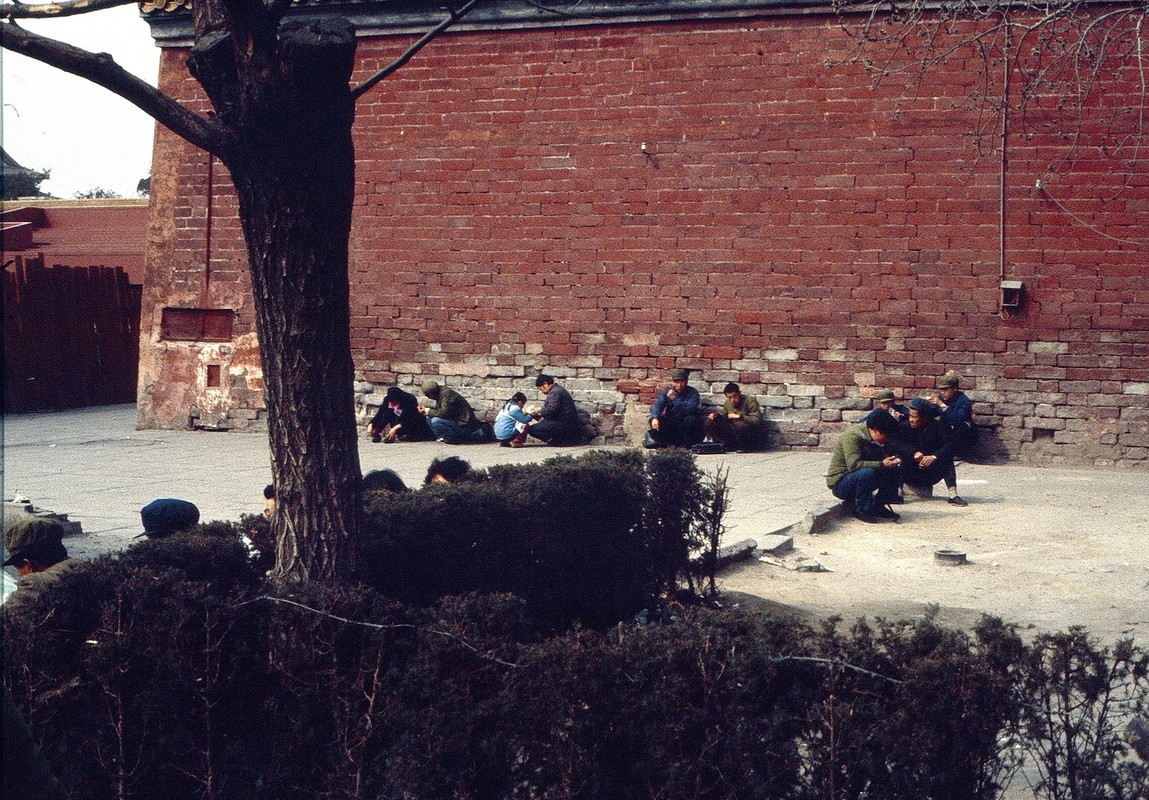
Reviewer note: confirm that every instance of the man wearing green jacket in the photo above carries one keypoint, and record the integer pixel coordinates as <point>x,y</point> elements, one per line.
<point>451,417</point>
<point>862,474</point>
<point>739,424</point>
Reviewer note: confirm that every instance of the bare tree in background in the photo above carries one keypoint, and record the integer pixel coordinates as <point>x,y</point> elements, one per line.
<point>1045,67</point>
<point>283,109</point>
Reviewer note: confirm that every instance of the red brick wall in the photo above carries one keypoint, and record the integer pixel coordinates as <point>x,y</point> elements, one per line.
<point>608,202</point>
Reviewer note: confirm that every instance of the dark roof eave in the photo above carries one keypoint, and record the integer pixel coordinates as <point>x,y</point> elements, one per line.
<point>174,28</point>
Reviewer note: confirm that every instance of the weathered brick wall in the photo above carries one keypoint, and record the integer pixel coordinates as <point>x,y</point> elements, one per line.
<point>607,202</point>
<point>196,259</point>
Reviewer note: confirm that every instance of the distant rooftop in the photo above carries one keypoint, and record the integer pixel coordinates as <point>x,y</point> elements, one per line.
<point>78,233</point>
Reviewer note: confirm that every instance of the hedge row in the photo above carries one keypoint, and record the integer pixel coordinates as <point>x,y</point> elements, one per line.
<point>149,676</point>
<point>595,539</point>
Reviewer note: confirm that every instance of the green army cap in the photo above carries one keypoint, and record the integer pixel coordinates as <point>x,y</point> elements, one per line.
<point>30,533</point>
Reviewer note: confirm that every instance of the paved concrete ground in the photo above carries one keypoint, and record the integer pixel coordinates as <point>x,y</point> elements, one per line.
<point>93,465</point>
<point>1048,547</point>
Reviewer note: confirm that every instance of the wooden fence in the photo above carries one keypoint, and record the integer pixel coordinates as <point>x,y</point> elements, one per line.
<point>71,336</point>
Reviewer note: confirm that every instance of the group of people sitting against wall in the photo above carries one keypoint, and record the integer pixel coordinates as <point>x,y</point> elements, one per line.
<point>895,448</point>
<point>677,418</point>
<point>449,418</point>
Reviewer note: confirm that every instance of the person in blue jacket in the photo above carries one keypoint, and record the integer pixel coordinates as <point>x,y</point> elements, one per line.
<point>512,421</point>
<point>956,413</point>
<point>676,416</point>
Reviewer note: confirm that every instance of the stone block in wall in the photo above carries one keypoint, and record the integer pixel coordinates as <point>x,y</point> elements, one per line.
<point>501,371</point>
<point>1044,423</point>
<point>1048,348</point>
<point>1141,389</point>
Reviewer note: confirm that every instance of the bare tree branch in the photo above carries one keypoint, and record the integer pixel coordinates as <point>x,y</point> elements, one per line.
<point>49,10</point>
<point>424,40</point>
<point>101,69</point>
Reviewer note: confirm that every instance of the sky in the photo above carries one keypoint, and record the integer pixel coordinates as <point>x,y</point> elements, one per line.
<point>85,135</point>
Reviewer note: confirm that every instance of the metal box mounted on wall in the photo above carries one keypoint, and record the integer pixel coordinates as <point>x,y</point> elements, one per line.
<point>1010,294</point>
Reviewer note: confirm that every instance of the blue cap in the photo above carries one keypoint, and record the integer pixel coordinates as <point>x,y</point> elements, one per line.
<point>167,516</point>
<point>924,407</point>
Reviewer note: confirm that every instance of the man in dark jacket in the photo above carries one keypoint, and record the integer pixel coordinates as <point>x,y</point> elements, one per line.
<point>675,417</point>
<point>399,420</point>
<point>558,419</point>
<point>926,449</point>
<point>956,413</point>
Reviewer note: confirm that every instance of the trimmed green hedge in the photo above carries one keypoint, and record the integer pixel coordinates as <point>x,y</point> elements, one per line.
<point>139,681</point>
<point>595,539</point>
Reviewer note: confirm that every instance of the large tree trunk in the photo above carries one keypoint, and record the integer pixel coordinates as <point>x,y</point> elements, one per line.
<point>293,166</point>
<point>282,125</point>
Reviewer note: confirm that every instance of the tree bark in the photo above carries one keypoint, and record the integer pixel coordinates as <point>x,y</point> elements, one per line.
<point>293,166</point>
<point>282,126</point>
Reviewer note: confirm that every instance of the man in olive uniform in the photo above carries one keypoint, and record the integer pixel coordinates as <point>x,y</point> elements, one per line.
<point>36,549</point>
<point>739,424</point>
<point>451,417</point>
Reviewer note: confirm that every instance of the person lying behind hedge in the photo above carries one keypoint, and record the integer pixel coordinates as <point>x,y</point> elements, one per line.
<point>446,470</point>
<point>383,480</point>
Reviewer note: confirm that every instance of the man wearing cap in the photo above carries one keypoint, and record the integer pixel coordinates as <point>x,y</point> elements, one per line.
<point>167,516</point>
<point>558,418</point>
<point>886,402</point>
<point>924,445</point>
<point>36,549</point>
<point>862,473</point>
<point>675,419</point>
<point>956,413</point>
<point>451,417</point>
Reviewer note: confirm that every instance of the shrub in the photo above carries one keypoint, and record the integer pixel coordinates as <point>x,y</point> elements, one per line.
<point>914,711</point>
<point>1077,695</point>
<point>564,535</point>
<point>137,680</point>
<point>140,682</point>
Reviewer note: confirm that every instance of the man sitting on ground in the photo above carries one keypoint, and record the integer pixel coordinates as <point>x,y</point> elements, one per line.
<point>675,419</point>
<point>924,445</point>
<point>887,403</point>
<point>738,425</point>
<point>862,473</point>
<point>451,417</point>
<point>36,549</point>
<point>558,418</point>
<point>956,414</point>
